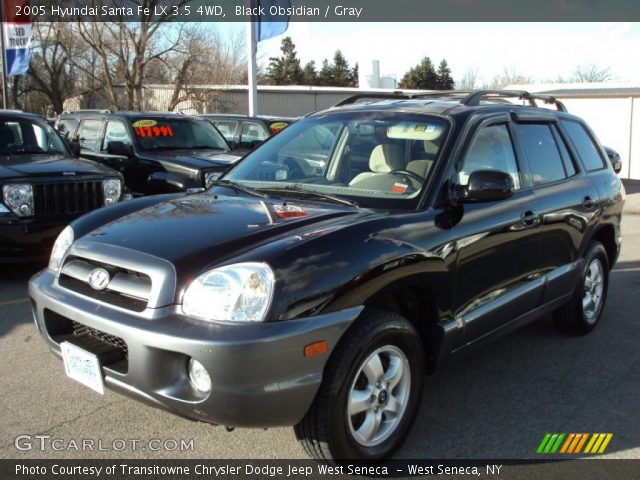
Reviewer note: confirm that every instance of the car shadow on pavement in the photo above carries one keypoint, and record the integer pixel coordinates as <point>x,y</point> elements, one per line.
<point>14,302</point>
<point>500,400</point>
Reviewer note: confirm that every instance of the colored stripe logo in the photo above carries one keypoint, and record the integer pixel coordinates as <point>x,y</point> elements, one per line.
<point>572,443</point>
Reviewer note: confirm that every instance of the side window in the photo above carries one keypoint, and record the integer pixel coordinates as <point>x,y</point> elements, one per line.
<point>491,149</point>
<point>89,134</point>
<point>543,153</point>
<point>583,143</point>
<point>67,126</point>
<point>115,132</point>
<point>227,129</point>
<point>252,132</point>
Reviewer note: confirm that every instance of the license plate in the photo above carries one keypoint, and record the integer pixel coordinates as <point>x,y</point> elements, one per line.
<point>82,366</point>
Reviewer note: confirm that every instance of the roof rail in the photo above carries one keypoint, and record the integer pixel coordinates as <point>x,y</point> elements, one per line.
<point>550,100</point>
<point>88,111</point>
<point>473,99</point>
<point>373,96</point>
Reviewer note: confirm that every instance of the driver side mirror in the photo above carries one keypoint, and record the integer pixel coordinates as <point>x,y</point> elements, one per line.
<point>119,148</point>
<point>74,146</point>
<point>484,186</point>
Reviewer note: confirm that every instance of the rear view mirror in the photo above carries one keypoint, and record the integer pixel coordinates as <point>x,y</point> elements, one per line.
<point>119,148</point>
<point>485,186</point>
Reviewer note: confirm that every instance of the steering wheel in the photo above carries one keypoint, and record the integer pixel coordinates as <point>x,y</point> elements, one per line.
<point>408,173</point>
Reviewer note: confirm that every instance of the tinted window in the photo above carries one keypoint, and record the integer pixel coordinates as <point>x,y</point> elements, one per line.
<point>569,166</point>
<point>491,150</point>
<point>227,128</point>
<point>115,132</point>
<point>67,126</point>
<point>176,133</point>
<point>542,152</point>
<point>588,151</point>
<point>89,134</point>
<point>252,132</point>
<point>19,137</point>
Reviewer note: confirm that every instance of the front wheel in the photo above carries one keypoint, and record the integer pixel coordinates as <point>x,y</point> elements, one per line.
<point>370,392</point>
<point>583,312</point>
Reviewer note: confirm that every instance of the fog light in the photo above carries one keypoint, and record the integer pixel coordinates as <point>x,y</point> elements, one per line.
<point>199,377</point>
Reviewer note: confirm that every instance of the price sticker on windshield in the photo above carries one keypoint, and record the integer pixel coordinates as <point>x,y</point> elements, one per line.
<point>153,131</point>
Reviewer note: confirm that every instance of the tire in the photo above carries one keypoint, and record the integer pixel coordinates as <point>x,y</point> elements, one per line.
<point>583,312</point>
<point>376,346</point>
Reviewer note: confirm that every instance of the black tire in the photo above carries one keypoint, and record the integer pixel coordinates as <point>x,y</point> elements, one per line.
<point>574,318</point>
<point>327,432</point>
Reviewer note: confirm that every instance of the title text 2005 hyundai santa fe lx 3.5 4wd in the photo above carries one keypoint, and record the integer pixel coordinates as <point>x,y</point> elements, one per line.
<point>292,295</point>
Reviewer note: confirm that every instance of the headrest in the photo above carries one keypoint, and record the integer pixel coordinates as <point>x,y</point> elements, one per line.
<point>386,158</point>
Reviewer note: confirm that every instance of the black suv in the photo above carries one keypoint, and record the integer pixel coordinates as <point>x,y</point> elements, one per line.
<point>43,187</point>
<point>286,295</point>
<point>243,133</point>
<point>156,152</point>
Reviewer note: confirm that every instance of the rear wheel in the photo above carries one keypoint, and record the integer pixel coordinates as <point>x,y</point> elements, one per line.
<point>370,392</point>
<point>584,311</point>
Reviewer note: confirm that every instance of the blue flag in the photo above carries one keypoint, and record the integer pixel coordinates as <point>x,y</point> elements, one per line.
<point>17,37</point>
<point>275,19</point>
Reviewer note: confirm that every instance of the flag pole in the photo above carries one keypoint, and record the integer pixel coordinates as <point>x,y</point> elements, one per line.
<point>252,69</point>
<point>4,58</point>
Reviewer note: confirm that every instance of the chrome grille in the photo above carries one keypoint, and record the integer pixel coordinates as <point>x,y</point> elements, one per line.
<point>68,198</point>
<point>126,288</point>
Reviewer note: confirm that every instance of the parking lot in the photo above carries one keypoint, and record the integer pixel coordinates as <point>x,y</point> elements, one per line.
<point>496,403</point>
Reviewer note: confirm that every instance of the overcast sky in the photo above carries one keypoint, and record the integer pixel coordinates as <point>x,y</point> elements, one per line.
<point>544,51</point>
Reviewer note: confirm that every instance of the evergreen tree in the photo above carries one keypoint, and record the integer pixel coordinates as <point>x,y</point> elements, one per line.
<point>341,73</point>
<point>325,77</point>
<point>354,76</point>
<point>444,81</point>
<point>422,77</point>
<point>285,70</point>
<point>309,74</point>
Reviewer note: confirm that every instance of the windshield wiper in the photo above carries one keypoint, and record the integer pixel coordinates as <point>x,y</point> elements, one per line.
<point>303,192</point>
<point>237,187</point>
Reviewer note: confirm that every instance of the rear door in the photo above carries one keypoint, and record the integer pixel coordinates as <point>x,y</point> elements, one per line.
<point>565,199</point>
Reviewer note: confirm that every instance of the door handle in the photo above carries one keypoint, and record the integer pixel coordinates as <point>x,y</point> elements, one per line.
<point>588,203</point>
<point>530,219</point>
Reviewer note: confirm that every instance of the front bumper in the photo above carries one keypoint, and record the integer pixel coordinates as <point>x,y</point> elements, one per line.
<point>260,376</point>
<point>21,239</point>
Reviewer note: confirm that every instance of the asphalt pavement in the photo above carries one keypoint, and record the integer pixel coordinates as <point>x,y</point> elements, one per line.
<point>496,403</point>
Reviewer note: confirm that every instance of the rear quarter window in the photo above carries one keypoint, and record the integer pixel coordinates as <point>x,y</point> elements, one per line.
<point>587,149</point>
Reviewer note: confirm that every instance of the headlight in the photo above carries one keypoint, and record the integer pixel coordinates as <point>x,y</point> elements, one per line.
<point>235,293</point>
<point>211,177</point>
<point>63,242</point>
<point>111,190</point>
<point>19,198</point>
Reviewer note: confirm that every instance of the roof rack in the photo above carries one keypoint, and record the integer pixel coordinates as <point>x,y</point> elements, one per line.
<point>470,98</point>
<point>372,96</point>
<point>88,111</point>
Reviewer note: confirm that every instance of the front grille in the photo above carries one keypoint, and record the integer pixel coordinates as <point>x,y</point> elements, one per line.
<point>68,198</point>
<point>112,351</point>
<point>126,289</point>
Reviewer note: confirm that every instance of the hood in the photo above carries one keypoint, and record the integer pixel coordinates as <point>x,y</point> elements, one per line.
<point>198,159</point>
<point>197,230</point>
<point>49,165</point>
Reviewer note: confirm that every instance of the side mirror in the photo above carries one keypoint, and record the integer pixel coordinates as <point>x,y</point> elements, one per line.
<point>614,158</point>
<point>119,148</point>
<point>74,146</point>
<point>485,186</point>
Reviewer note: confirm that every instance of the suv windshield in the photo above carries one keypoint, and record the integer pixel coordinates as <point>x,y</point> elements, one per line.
<point>162,133</point>
<point>25,136</point>
<point>364,155</point>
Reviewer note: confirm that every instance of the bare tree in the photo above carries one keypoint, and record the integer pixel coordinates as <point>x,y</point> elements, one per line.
<point>204,59</point>
<point>591,73</point>
<point>509,76</point>
<point>51,72</point>
<point>120,52</point>
<point>469,80</point>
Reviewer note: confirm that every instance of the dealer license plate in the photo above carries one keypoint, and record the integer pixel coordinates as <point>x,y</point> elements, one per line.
<point>82,366</point>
